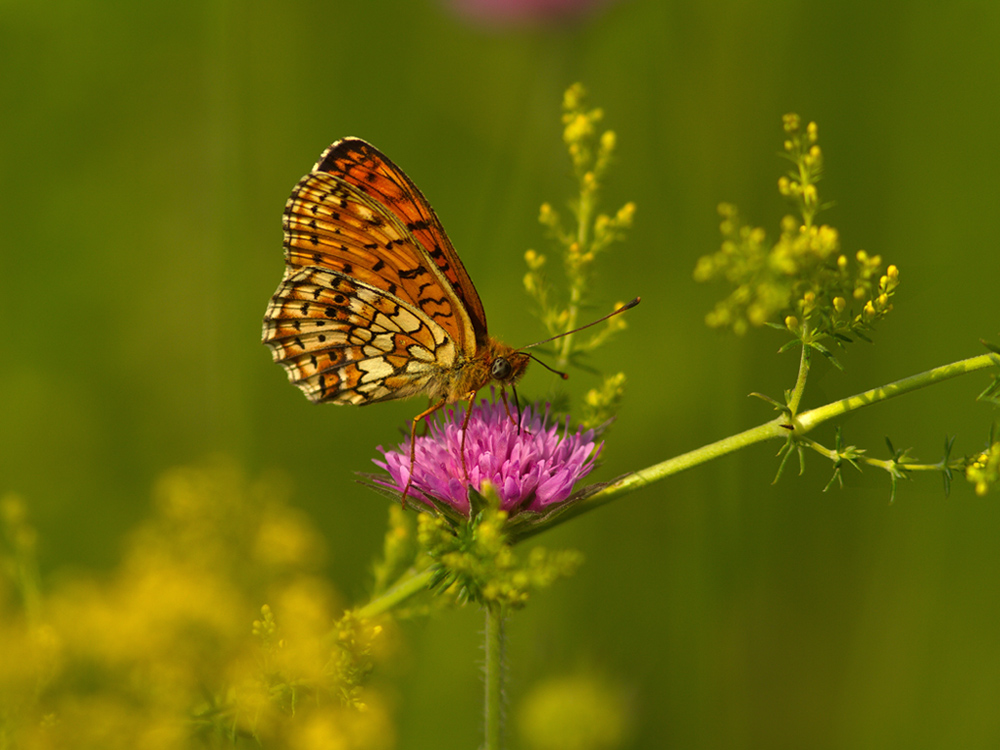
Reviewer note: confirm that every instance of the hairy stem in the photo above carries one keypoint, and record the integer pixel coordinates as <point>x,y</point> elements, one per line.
<point>494,676</point>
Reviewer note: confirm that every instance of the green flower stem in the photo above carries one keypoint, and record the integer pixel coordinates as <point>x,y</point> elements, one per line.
<point>495,616</point>
<point>584,211</point>
<point>410,583</point>
<point>800,381</point>
<point>776,428</point>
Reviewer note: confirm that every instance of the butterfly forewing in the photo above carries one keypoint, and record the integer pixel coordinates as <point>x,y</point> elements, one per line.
<point>365,167</point>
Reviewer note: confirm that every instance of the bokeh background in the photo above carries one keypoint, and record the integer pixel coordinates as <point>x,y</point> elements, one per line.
<point>147,149</point>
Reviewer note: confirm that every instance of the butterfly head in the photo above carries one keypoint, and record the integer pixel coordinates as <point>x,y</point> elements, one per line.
<point>508,368</point>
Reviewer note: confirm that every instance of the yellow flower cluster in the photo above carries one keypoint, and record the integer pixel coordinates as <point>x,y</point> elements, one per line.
<point>477,563</point>
<point>984,470</point>
<point>602,404</point>
<point>165,653</point>
<point>591,153</point>
<point>802,280</point>
<point>575,712</point>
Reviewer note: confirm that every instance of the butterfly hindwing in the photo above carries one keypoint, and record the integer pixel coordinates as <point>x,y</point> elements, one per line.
<point>344,341</point>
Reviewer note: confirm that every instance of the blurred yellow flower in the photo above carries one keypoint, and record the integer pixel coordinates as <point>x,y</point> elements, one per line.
<point>165,651</point>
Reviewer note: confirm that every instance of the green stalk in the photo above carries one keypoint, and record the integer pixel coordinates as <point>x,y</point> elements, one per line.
<point>494,676</point>
<point>800,381</point>
<point>584,211</point>
<point>808,420</point>
<point>410,583</point>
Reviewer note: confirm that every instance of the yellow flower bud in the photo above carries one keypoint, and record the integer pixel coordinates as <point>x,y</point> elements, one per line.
<point>792,323</point>
<point>577,129</point>
<point>812,131</point>
<point>839,304</point>
<point>892,272</point>
<point>783,185</point>
<point>573,96</point>
<point>608,140</point>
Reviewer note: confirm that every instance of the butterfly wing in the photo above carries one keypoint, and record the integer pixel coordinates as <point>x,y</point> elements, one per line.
<point>357,229</point>
<point>355,209</point>
<point>347,342</point>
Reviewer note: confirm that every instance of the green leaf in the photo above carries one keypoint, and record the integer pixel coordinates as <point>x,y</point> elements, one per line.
<point>828,354</point>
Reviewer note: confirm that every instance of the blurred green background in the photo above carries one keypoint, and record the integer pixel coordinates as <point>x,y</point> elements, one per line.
<point>147,150</point>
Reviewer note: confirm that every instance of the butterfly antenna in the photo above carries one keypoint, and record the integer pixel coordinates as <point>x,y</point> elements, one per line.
<point>627,306</point>
<point>560,373</point>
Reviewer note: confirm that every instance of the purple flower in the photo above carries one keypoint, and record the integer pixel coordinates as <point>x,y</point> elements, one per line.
<point>531,468</point>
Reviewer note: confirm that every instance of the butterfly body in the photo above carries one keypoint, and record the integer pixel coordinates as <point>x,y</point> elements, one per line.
<point>375,304</point>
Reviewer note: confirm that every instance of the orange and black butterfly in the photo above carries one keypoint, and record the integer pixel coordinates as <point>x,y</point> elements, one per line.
<point>375,303</point>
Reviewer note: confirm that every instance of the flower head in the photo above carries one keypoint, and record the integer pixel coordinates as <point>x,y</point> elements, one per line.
<point>531,467</point>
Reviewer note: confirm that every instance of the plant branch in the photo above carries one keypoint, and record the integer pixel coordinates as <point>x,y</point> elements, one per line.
<point>776,428</point>
<point>410,583</point>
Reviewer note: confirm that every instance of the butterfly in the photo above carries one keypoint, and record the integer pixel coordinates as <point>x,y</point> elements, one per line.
<point>375,304</point>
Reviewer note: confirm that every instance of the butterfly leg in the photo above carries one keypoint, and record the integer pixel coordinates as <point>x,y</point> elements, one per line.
<point>471,396</point>
<point>413,443</point>
<point>506,407</point>
<point>517,409</point>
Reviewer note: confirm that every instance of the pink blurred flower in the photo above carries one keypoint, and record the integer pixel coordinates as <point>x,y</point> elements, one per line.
<point>532,468</point>
<point>512,12</point>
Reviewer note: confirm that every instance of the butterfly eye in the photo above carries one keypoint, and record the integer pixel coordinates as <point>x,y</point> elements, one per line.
<point>500,369</point>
